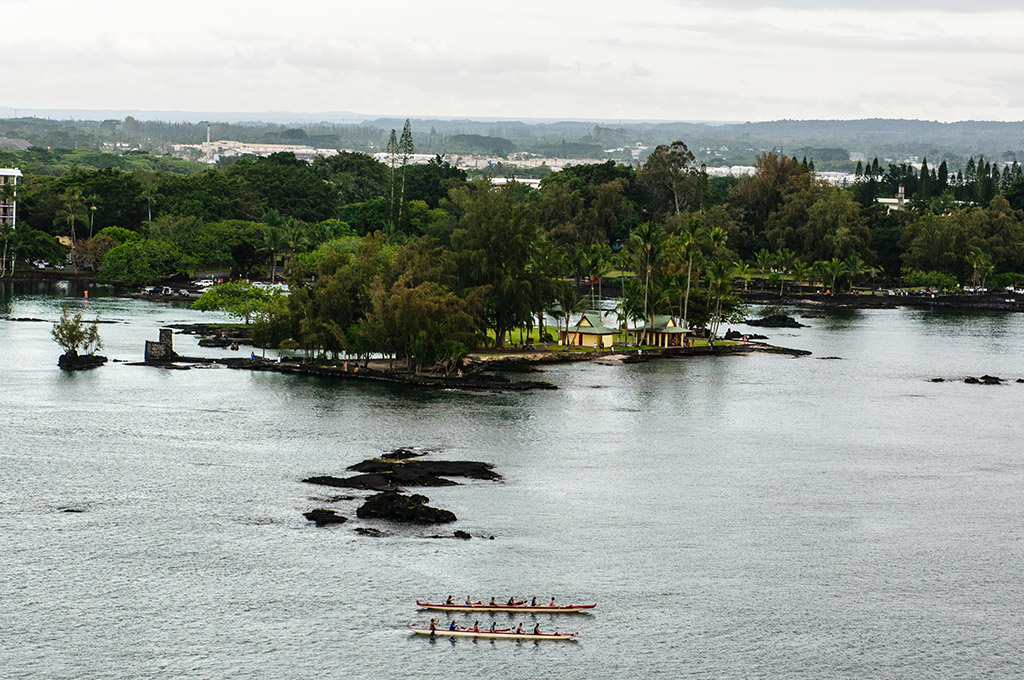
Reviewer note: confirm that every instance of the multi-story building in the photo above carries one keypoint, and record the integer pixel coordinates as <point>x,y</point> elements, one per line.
<point>8,197</point>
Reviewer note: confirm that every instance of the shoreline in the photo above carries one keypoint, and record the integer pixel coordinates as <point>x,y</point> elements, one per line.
<point>992,302</point>
<point>475,377</point>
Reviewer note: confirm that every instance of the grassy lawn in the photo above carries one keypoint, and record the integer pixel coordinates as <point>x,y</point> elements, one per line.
<point>534,334</point>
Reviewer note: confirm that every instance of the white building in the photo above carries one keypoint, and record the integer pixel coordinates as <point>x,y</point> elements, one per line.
<point>8,197</point>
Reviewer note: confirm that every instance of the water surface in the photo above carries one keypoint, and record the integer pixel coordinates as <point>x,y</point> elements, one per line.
<point>746,516</point>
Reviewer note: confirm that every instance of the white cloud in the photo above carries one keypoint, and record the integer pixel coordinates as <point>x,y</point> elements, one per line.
<point>728,59</point>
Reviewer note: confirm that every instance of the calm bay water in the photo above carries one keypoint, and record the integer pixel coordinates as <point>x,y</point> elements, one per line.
<point>749,516</point>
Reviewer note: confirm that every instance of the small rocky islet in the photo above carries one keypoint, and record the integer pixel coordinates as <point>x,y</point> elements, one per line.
<point>388,475</point>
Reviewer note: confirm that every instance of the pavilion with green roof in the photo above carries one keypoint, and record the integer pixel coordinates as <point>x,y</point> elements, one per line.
<point>588,332</point>
<point>663,332</point>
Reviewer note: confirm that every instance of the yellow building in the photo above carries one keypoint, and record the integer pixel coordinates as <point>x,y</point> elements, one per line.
<point>588,332</point>
<point>664,332</point>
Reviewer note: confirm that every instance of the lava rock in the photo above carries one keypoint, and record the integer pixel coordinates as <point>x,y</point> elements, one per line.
<point>322,517</point>
<point>397,507</point>
<point>776,321</point>
<point>403,454</point>
<point>938,380</point>
<point>417,472</point>
<point>75,362</point>
<point>983,380</point>
<point>370,531</point>
<point>462,535</point>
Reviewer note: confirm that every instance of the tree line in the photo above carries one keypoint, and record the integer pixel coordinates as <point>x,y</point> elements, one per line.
<point>416,260</point>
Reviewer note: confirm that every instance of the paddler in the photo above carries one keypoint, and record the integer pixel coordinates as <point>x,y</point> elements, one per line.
<point>453,625</point>
<point>536,629</point>
<point>552,603</point>
<point>492,603</point>
<point>512,602</point>
<point>533,602</point>
<point>519,629</point>
<point>493,623</point>
<point>476,626</point>
<point>449,600</point>
<point>470,603</point>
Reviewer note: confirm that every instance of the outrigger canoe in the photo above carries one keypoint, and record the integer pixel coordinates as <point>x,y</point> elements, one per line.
<point>506,634</point>
<point>519,609</point>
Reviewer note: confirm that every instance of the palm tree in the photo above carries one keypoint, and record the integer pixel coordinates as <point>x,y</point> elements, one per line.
<point>693,237</point>
<point>763,260</point>
<point>295,235</point>
<point>980,262</point>
<point>71,208</point>
<point>720,276</point>
<point>93,200</point>
<point>646,240</point>
<point>820,273</point>
<point>785,259</point>
<point>835,268</point>
<point>273,243</point>
<point>854,267</point>
<point>802,272</point>
<point>567,303</point>
<point>149,193</point>
<point>743,271</point>
<point>596,266</point>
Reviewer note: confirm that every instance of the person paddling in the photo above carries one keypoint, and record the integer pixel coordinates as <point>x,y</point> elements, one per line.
<point>512,601</point>
<point>449,600</point>
<point>453,625</point>
<point>476,626</point>
<point>533,602</point>
<point>519,629</point>
<point>536,629</point>
<point>552,603</point>
<point>493,623</point>
<point>492,603</point>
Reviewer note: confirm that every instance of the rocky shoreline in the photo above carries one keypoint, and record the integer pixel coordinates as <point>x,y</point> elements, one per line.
<point>1000,302</point>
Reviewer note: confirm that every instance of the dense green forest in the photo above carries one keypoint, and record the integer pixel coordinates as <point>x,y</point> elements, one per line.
<point>420,262</point>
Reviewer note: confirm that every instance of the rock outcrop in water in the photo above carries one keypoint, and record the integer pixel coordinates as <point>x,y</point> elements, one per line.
<point>397,507</point>
<point>776,321</point>
<point>983,380</point>
<point>72,361</point>
<point>402,468</point>
<point>322,517</point>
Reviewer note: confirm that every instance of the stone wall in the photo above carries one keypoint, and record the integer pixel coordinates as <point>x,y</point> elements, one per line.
<point>162,350</point>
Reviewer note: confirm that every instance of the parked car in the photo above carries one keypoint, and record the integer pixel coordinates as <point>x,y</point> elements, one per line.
<point>203,283</point>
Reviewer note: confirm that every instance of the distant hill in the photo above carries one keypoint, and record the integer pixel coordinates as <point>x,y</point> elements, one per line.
<point>827,142</point>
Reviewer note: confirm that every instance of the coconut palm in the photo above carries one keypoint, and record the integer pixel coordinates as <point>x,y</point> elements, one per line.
<point>835,268</point>
<point>820,272</point>
<point>854,267</point>
<point>646,243</point>
<point>784,260</point>
<point>802,272</point>
<point>743,271</point>
<point>567,303</point>
<point>274,242</point>
<point>720,275</point>
<point>763,260</point>
<point>72,207</point>
<point>596,266</point>
<point>980,262</point>
<point>692,238</point>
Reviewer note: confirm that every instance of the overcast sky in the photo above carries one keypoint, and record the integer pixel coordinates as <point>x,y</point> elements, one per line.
<point>641,59</point>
